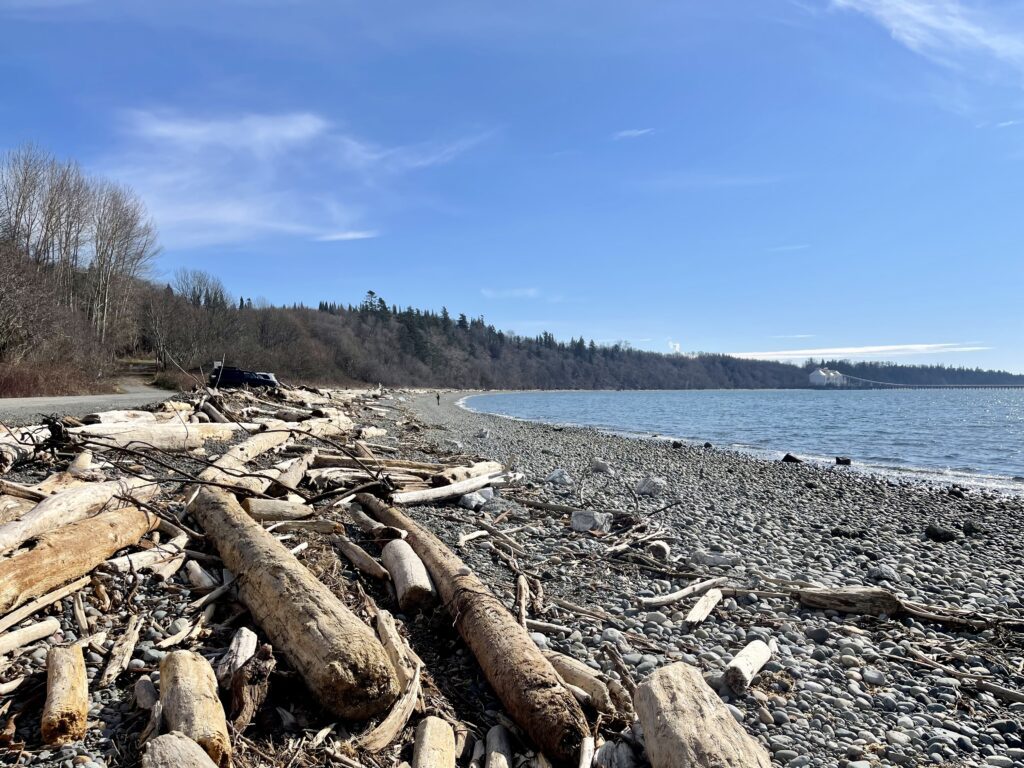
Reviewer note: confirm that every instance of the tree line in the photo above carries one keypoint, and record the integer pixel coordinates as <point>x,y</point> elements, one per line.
<point>75,298</point>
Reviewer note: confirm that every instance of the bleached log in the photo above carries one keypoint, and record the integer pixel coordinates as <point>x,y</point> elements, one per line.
<point>499,748</point>
<point>72,505</point>
<point>215,415</point>
<point>340,460</point>
<point>67,696</point>
<point>16,617</point>
<point>19,444</point>
<point>703,607</point>
<point>164,560</point>
<point>745,665</point>
<point>199,577</point>
<point>431,495</point>
<point>268,510</point>
<point>69,552</point>
<point>412,582</point>
<point>26,635</point>
<point>121,653</point>
<point>685,723</point>
<point>458,474</point>
<point>866,601</point>
<point>338,656</point>
<point>241,648</point>
<point>232,468</point>
<point>435,744</point>
<point>292,474</point>
<point>13,507</point>
<point>688,591</point>
<point>175,750</point>
<point>165,436</point>
<point>577,673</point>
<point>188,695</point>
<point>119,417</point>
<point>360,558</point>
<point>397,650</point>
<point>525,682</point>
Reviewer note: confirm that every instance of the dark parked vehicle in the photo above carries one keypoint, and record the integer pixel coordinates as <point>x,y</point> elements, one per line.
<point>224,376</point>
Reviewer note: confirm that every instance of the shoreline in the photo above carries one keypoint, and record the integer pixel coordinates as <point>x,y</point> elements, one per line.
<point>1004,484</point>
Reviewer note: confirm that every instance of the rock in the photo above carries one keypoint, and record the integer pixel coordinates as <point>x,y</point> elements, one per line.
<point>843,461</point>
<point>651,486</point>
<point>584,520</point>
<point>879,573</point>
<point>483,434</point>
<point>937,532</point>
<point>677,444</point>
<point>559,477</point>
<point>972,528</point>
<point>472,501</point>
<point>658,549</point>
<point>789,458</point>
<point>601,467</point>
<point>708,446</point>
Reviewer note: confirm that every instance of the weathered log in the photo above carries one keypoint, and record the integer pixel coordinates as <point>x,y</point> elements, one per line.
<point>435,744</point>
<point>199,577</point>
<point>577,673</point>
<point>241,648</point>
<point>19,444</point>
<point>703,607</point>
<point>867,601</point>
<point>188,695</point>
<point>292,474</point>
<point>16,617</point>
<point>337,655</point>
<point>215,415</point>
<point>268,510</point>
<point>232,468</point>
<point>175,750</point>
<point>13,507</point>
<point>745,665</point>
<point>67,696</point>
<point>412,582</point>
<point>121,653</point>
<point>30,634</point>
<point>523,679</point>
<point>685,723</point>
<point>458,474</point>
<point>69,552</point>
<point>249,687</point>
<point>11,488</point>
<point>688,591</point>
<point>165,436</point>
<point>360,558</point>
<point>453,491</point>
<point>120,417</point>
<point>499,748</point>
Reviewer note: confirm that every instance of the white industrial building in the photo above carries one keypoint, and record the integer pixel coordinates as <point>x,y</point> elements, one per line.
<point>823,377</point>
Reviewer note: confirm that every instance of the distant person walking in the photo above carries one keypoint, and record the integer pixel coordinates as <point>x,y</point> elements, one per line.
<point>438,398</point>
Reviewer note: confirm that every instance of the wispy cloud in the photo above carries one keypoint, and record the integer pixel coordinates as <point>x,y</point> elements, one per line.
<point>510,293</point>
<point>1008,123</point>
<point>632,133</point>
<point>788,248</point>
<point>946,31</point>
<point>232,178</point>
<point>886,350</point>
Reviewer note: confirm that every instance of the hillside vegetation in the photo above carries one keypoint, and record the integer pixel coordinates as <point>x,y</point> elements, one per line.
<point>75,252</point>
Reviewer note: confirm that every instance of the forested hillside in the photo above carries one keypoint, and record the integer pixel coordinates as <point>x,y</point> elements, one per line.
<point>75,253</point>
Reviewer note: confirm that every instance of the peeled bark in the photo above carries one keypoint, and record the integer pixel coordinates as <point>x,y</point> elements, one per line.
<point>523,679</point>
<point>337,655</point>
<point>435,744</point>
<point>67,696</point>
<point>72,505</point>
<point>68,552</point>
<point>686,724</point>
<point>412,582</point>
<point>188,695</point>
<point>175,750</point>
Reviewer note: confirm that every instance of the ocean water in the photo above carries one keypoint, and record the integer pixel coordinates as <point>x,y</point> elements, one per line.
<point>974,436</point>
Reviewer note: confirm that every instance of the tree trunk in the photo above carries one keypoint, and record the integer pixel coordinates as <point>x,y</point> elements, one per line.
<point>412,582</point>
<point>686,724</point>
<point>337,655</point>
<point>71,506</point>
<point>67,696</point>
<point>188,695</point>
<point>523,679</point>
<point>68,552</point>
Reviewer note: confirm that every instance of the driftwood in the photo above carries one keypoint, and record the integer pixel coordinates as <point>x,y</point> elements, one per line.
<point>523,679</point>
<point>249,687</point>
<point>292,474</point>
<point>67,696</point>
<point>121,653</point>
<point>232,467</point>
<point>867,601</point>
<point>686,724</point>
<point>740,672</point>
<point>19,444</point>
<point>30,634</point>
<point>175,750</point>
<point>165,436</point>
<point>337,655</point>
<point>360,558</point>
<point>435,744</point>
<point>499,748</point>
<point>241,648</point>
<point>13,507</point>
<point>578,674</point>
<point>16,617</point>
<point>412,582</point>
<point>188,696</point>
<point>453,491</point>
<point>688,591</point>
<point>458,474</point>
<point>703,607</point>
<point>69,552</point>
<point>120,417</point>
<point>269,510</point>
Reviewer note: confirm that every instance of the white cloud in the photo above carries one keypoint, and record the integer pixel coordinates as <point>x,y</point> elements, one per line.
<point>238,177</point>
<point>887,350</point>
<point>945,30</point>
<point>510,293</point>
<point>632,133</point>
<point>1008,123</point>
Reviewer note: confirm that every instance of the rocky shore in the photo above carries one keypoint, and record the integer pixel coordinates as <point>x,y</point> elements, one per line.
<point>841,689</point>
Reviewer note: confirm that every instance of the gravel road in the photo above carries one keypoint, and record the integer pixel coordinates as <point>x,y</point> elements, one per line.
<point>27,410</point>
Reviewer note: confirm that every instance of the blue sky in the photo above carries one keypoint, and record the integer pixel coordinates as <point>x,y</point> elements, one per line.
<point>767,177</point>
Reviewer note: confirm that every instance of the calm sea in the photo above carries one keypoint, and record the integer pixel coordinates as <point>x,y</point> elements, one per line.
<point>974,436</point>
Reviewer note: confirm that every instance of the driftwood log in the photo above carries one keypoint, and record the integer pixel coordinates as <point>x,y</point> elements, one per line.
<point>67,696</point>
<point>272,510</point>
<point>435,744</point>
<point>68,552</point>
<point>337,655</point>
<point>523,679</point>
<point>703,607</point>
<point>188,695</point>
<point>458,474</point>
<point>175,750</point>
<point>686,724</point>
<point>745,665</point>
<point>165,436</point>
<point>30,634</point>
<point>578,674</point>
<point>412,582</point>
